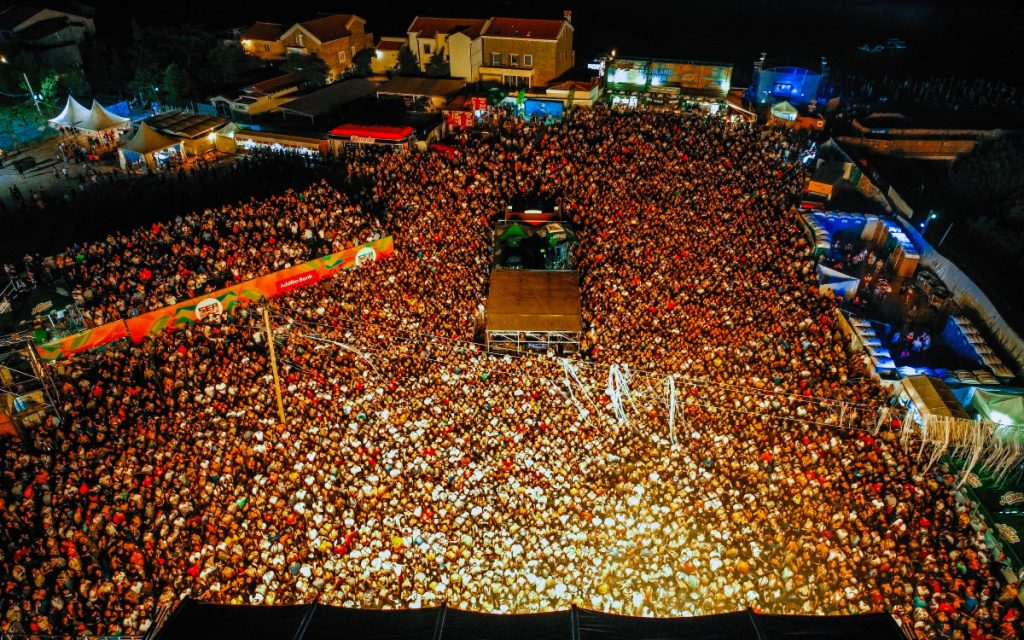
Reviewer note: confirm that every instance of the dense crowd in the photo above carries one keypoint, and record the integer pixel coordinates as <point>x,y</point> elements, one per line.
<point>414,468</point>
<point>150,267</point>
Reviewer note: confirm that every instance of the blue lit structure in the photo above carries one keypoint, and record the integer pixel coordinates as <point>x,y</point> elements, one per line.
<point>797,85</point>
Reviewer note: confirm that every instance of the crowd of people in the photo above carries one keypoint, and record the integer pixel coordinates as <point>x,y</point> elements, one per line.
<point>413,468</point>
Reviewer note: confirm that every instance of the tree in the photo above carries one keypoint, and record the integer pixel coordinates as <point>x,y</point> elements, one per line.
<point>991,176</point>
<point>146,82</point>
<point>310,67</point>
<point>57,85</point>
<point>227,61</point>
<point>408,65</point>
<point>437,67</point>
<point>362,62</point>
<point>176,84</point>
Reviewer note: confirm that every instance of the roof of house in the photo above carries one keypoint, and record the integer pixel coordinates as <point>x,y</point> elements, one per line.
<point>412,86</point>
<point>390,45</point>
<point>330,97</point>
<point>13,15</point>
<point>534,29</point>
<point>263,31</point>
<point>45,28</point>
<point>427,27</point>
<point>329,28</point>
<point>270,85</point>
<point>184,125</point>
<point>574,85</point>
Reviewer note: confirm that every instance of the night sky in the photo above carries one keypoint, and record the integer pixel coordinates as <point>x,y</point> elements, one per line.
<point>943,37</point>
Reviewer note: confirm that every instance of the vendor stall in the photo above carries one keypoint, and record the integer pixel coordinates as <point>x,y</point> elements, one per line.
<point>148,146</point>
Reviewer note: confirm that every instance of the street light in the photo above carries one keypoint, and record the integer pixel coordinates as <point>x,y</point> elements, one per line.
<point>927,221</point>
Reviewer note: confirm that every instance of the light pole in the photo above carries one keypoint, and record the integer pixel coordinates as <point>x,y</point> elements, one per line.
<point>927,221</point>
<point>943,238</point>
<point>35,97</point>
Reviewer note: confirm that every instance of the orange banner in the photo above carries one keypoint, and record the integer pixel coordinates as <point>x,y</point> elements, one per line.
<point>219,302</point>
<point>83,341</point>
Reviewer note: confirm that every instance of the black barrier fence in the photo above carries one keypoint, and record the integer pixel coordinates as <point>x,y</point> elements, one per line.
<point>197,620</point>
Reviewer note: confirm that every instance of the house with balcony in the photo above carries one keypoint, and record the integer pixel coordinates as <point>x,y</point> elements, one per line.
<point>336,39</point>
<point>515,52</point>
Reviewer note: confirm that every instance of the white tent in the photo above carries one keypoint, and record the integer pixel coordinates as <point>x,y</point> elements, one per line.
<point>146,142</point>
<point>836,283</point>
<point>73,114</point>
<point>785,111</point>
<point>100,120</point>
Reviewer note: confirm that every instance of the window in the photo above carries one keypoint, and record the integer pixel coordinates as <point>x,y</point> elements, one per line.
<point>428,49</point>
<point>341,56</point>
<point>513,59</point>
<point>266,47</point>
<point>298,39</point>
<point>527,60</point>
<point>495,59</point>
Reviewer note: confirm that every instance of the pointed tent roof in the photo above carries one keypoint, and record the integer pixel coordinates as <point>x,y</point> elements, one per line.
<point>147,140</point>
<point>100,119</point>
<point>1001,408</point>
<point>785,111</point>
<point>830,276</point>
<point>72,115</point>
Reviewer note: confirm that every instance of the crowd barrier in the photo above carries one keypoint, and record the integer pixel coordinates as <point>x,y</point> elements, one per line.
<point>218,302</point>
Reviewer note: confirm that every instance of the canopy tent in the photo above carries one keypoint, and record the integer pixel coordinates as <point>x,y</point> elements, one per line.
<point>1006,409</point>
<point>72,115</point>
<point>145,143</point>
<point>549,246</point>
<point>836,283</point>
<point>101,120</point>
<point>932,398</point>
<point>936,423</point>
<point>196,620</point>
<point>785,111</point>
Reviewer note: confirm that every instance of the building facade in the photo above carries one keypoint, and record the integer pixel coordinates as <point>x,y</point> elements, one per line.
<point>515,52</point>
<point>453,38</point>
<point>336,39</point>
<point>527,53</point>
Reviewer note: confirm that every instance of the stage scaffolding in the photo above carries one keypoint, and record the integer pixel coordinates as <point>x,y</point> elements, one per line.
<point>28,394</point>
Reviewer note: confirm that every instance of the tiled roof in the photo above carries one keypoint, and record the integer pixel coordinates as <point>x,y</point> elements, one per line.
<point>276,83</point>
<point>390,45</point>
<point>329,28</point>
<point>574,85</point>
<point>427,27</point>
<point>524,28</point>
<point>263,31</point>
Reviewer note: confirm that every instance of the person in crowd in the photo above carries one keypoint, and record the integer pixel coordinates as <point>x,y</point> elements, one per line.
<point>414,468</point>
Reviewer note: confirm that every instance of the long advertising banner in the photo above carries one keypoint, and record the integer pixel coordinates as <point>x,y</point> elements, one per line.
<point>218,302</point>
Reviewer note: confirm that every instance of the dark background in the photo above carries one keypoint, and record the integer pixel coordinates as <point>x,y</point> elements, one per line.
<point>977,38</point>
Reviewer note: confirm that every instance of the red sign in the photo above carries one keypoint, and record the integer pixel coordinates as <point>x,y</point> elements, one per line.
<point>478,104</point>
<point>460,119</point>
<point>300,280</point>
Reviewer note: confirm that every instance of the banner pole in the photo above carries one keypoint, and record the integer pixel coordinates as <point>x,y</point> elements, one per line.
<point>273,364</point>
